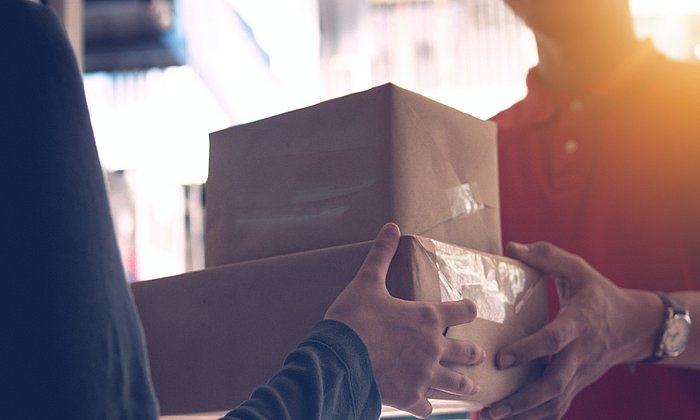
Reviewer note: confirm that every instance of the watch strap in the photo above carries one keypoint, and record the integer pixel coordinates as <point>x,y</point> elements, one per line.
<point>671,307</point>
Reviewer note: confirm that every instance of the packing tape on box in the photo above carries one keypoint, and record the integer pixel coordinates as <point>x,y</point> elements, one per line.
<point>463,199</point>
<point>511,302</point>
<point>498,288</point>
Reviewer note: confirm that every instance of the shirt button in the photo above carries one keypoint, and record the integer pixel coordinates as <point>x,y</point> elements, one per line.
<point>576,105</point>
<point>571,146</point>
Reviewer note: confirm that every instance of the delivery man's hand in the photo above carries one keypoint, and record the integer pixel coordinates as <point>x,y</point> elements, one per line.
<point>599,325</point>
<point>404,339</point>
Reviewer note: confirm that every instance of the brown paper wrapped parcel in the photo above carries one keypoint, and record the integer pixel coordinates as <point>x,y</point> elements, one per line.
<point>213,335</point>
<point>334,173</point>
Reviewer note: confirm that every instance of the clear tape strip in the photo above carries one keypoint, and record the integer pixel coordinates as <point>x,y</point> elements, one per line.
<point>463,199</point>
<point>497,287</point>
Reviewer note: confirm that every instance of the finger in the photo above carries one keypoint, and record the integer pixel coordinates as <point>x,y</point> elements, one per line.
<point>548,258</point>
<point>421,409</point>
<point>544,394</point>
<point>456,313</point>
<point>376,264</point>
<point>462,352</point>
<point>519,403</point>
<point>453,382</point>
<point>552,409</point>
<point>549,340</point>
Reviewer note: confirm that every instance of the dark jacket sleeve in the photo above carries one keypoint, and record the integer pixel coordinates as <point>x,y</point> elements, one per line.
<point>72,345</point>
<point>328,376</point>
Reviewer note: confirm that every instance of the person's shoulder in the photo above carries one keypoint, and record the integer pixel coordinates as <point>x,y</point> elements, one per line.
<point>677,77</point>
<point>685,68</point>
<point>674,91</point>
<point>22,16</point>
<point>28,29</point>
<point>32,38</point>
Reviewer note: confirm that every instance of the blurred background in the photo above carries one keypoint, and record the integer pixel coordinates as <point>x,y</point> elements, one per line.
<point>160,75</point>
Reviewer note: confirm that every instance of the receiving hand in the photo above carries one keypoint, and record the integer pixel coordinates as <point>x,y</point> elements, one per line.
<point>405,339</point>
<point>599,325</point>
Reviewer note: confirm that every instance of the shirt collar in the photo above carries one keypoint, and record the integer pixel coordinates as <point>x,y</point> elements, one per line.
<point>543,101</point>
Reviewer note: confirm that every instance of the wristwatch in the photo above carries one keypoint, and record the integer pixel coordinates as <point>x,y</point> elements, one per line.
<point>673,336</point>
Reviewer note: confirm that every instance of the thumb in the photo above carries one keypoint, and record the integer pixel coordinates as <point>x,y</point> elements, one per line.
<point>549,259</point>
<point>376,264</point>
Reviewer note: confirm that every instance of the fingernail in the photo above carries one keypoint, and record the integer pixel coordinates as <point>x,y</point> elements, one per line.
<point>482,356</point>
<point>500,411</point>
<point>391,226</point>
<point>505,361</point>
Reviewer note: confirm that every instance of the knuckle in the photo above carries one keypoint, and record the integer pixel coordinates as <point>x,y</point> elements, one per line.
<point>542,249</point>
<point>383,241</point>
<point>552,409</point>
<point>579,265</point>
<point>428,314</point>
<point>549,407</point>
<point>383,246</point>
<point>410,399</point>
<point>578,260</point>
<point>465,386</point>
<point>432,352</point>
<point>555,339</point>
<point>474,353</point>
<point>556,386</point>
<point>423,374</point>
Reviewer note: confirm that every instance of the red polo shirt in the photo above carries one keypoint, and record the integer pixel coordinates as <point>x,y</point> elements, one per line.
<point>612,173</point>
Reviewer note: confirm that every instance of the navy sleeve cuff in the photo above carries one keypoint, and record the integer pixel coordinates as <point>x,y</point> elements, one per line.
<point>338,339</point>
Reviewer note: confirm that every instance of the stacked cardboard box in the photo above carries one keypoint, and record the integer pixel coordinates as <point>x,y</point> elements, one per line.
<point>334,173</point>
<point>292,202</point>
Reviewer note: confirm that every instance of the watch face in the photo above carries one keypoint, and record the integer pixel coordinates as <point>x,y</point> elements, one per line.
<point>676,336</point>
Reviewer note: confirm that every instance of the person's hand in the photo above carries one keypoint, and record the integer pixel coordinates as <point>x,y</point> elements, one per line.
<point>599,325</point>
<point>405,339</point>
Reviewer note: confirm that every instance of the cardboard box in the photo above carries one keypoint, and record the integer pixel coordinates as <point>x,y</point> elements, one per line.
<point>214,335</point>
<point>334,173</point>
<point>510,297</point>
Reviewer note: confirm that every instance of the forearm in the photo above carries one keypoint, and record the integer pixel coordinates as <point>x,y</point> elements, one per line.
<point>646,317</point>
<point>328,376</point>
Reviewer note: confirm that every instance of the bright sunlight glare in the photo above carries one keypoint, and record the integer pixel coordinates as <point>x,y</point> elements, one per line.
<point>664,7</point>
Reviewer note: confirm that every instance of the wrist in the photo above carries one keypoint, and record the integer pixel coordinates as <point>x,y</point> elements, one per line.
<point>674,334</point>
<point>647,317</point>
